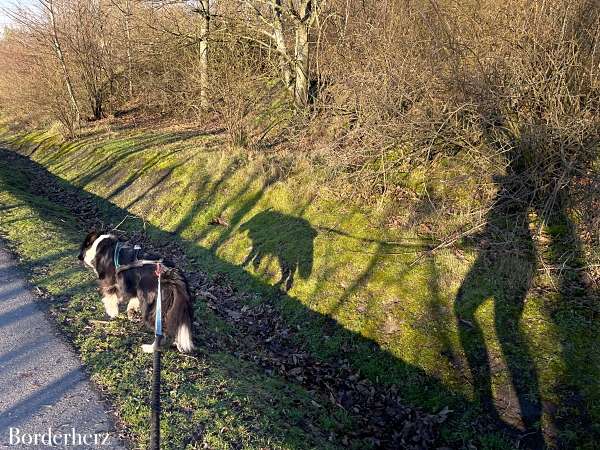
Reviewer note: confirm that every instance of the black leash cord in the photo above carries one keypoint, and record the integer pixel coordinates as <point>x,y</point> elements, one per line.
<point>155,419</point>
<point>155,405</point>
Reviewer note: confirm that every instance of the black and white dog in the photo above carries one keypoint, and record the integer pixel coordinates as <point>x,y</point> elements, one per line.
<point>127,275</point>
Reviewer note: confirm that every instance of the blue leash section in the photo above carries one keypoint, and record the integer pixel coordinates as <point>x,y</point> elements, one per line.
<point>118,247</point>
<point>157,272</point>
<point>158,312</point>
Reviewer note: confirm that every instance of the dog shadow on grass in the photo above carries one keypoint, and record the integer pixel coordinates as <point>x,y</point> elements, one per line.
<point>288,239</point>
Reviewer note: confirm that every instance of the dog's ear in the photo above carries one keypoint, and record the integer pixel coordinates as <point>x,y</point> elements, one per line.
<point>100,266</point>
<point>91,237</point>
<point>87,243</point>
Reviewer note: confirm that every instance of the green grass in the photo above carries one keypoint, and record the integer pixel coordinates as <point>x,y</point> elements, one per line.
<point>398,318</point>
<point>345,264</point>
<point>232,402</point>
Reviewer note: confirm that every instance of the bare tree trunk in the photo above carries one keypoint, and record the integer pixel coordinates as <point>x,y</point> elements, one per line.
<point>49,5</point>
<point>97,68</point>
<point>128,36</point>
<point>304,18</point>
<point>279,39</point>
<point>97,101</point>
<point>301,61</point>
<point>203,49</point>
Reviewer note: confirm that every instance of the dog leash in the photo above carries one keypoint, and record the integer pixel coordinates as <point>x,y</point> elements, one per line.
<point>118,247</point>
<point>137,263</point>
<point>140,263</point>
<point>155,405</point>
<point>158,313</point>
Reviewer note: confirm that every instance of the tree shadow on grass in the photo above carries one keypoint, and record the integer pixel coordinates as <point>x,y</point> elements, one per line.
<point>36,140</point>
<point>208,194</point>
<point>65,156</point>
<point>126,150</point>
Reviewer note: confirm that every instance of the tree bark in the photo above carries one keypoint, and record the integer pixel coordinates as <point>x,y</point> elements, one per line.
<point>129,58</point>
<point>301,61</point>
<point>61,58</point>
<point>305,16</point>
<point>97,105</point>
<point>203,52</point>
<point>279,39</point>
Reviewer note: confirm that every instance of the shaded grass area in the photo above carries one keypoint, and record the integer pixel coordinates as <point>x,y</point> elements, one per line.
<point>512,345</point>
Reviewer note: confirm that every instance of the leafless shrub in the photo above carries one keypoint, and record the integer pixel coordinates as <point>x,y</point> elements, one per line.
<point>410,103</point>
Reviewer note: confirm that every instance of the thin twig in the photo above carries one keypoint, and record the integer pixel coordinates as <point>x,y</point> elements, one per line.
<point>447,243</point>
<point>129,216</point>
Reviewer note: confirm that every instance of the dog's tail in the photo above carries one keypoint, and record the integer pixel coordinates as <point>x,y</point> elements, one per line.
<point>182,312</point>
<point>184,339</point>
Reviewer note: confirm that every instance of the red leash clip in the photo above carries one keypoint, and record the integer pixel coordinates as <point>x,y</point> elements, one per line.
<point>158,270</point>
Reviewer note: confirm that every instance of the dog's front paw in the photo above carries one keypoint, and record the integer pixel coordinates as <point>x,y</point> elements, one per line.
<point>133,308</point>
<point>111,305</point>
<point>148,348</point>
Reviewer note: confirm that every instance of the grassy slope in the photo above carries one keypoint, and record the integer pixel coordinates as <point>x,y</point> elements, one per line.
<point>359,274</point>
<point>230,403</point>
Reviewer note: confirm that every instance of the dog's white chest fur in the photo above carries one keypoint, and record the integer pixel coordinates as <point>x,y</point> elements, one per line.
<point>90,253</point>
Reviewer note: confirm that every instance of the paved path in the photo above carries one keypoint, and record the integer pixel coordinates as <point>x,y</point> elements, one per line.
<point>42,383</point>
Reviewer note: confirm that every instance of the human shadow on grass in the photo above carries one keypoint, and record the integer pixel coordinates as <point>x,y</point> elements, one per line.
<point>575,316</point>
<point>531,197</point>
<point>288,239</point>
<point>503,271</point>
